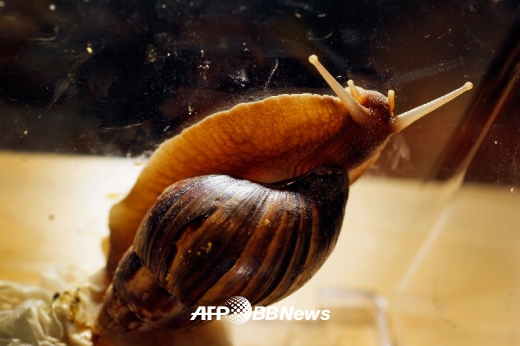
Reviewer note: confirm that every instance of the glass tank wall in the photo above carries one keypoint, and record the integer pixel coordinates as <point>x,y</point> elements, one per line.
<point>428,251</point>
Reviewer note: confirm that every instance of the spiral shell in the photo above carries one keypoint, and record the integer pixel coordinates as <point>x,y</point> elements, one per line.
<point>212,237</point>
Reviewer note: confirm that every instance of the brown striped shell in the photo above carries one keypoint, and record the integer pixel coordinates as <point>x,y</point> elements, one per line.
<point>212,237</point>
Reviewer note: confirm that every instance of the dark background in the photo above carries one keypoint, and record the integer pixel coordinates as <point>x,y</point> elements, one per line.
<point>116,78</point>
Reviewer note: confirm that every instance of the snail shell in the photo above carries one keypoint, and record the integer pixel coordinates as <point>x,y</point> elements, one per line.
<point>212,237</point>
<point>275,139</point>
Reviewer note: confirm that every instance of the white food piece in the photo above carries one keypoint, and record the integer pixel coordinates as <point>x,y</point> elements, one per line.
<point>34,315</point>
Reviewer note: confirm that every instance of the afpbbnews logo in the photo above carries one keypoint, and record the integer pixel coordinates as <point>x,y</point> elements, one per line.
<point>274,313</point>
<point>238,310</point>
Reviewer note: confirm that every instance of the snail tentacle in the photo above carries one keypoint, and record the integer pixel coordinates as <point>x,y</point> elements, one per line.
<point>407,118</point>
<point>358,112</point>
<point>354,91</point>
<point>391,102</point>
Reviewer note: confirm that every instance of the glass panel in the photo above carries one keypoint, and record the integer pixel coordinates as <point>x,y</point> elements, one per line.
<point>88,89</point>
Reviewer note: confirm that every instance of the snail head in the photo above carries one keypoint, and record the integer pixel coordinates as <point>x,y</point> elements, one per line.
<point>367,107</point>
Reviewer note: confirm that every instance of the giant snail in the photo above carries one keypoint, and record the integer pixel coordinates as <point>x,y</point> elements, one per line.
<point>251,202</point>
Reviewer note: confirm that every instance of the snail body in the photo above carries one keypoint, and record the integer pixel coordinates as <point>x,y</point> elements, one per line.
<point>212,237</point>
<point>255,203</point>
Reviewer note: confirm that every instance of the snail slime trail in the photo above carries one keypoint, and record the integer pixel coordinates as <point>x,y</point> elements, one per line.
<point>270,201</point>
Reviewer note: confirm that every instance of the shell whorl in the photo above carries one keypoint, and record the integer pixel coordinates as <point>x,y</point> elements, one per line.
<point>212,237</point>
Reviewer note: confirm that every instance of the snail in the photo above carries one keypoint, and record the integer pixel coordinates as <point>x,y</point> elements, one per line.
<point>250,203</point>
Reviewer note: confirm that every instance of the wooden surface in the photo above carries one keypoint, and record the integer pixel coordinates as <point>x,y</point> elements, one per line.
<point>445,257</point>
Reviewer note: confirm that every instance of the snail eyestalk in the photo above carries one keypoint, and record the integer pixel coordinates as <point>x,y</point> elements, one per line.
<point>391,102</point>
<point>407,118</point>
<point>354,91</point>
<point>358,113</point>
